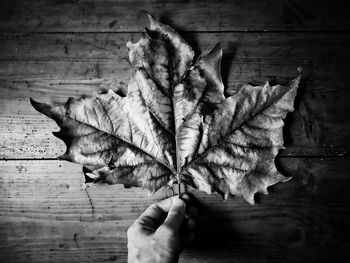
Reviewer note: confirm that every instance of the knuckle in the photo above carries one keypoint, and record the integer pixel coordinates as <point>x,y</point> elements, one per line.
<point>132,229</point>
<point>168,230</point>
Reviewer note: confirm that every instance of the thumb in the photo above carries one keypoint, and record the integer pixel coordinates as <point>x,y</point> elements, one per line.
<point>176,214</point>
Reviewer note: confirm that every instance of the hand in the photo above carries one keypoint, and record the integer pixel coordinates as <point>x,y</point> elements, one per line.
<point>162,231</point>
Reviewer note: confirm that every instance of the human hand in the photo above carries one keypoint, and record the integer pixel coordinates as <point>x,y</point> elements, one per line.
<point>162,231</point>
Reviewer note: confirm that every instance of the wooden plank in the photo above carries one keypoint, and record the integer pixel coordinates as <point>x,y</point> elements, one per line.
<point>47,214</point>
<point>290,47</point>
<point>199,15</point>
<point>315,128</point>
<point>52,67</point>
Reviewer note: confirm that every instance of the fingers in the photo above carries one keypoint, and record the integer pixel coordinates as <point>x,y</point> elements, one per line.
<point>176,214</point>
<point>188,232</point>
<point>155,214</point>
<point>173,210</point>
<point>191,211</point>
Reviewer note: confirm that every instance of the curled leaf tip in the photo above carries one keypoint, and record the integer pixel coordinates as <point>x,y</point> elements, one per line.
<point>38,106</point>
<point>57,134</point>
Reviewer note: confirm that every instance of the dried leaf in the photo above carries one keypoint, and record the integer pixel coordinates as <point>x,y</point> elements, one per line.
<point>175,123</point>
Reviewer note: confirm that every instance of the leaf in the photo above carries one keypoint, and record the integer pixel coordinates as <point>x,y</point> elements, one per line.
<point>176,125</point>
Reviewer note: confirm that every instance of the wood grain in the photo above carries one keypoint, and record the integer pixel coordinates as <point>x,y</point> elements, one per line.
<point>205,15</point>
<point>50,50</point>
<point>48,214</point>
<point>53,67</point>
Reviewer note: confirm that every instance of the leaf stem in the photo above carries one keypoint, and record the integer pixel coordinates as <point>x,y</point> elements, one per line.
<point>177,153</point>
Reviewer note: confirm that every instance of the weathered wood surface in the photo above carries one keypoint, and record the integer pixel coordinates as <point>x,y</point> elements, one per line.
<point>45,56</point>
<point>50,50</point>
<point>52,67</point>
<point>204,15</point>
<point>47,214</point>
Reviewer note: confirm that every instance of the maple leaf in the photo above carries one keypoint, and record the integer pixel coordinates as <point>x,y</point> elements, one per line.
<point>175,124</point>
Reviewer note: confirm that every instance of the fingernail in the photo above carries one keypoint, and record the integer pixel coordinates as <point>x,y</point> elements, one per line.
<point>186,199</point>
<point>178,202</point>
<point>185,196</point>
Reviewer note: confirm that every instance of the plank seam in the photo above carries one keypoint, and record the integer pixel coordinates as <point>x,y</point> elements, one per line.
<point>278,157</point>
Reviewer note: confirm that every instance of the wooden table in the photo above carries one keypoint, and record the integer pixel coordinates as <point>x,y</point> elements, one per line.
<point>50,51</point>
